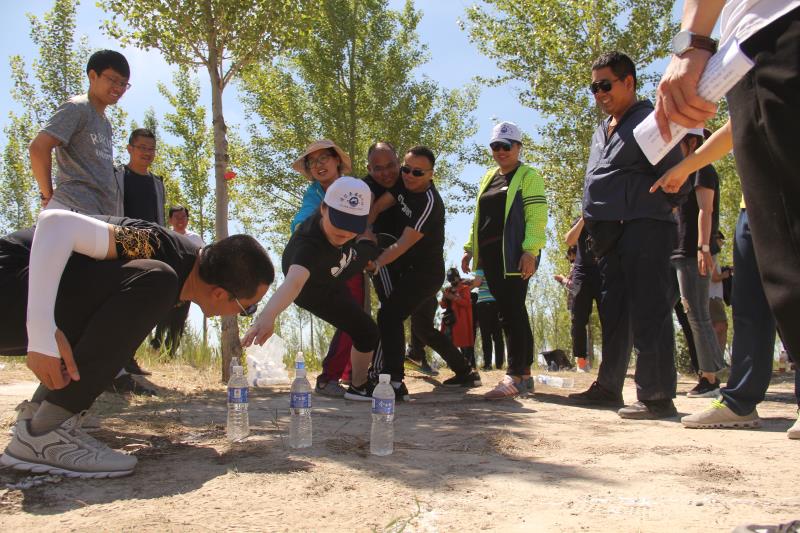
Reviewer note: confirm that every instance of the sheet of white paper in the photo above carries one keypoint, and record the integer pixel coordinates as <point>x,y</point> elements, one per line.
<point>723,70</point>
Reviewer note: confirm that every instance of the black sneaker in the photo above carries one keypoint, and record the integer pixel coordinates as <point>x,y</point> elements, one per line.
<point>472,379</point>
<point>126,383</point>
<point>704,389</point>
<point>649,410</point>
<point>362,393</point>
<point>597,395</point>
<point>401,392</point>
<point>134,368</point>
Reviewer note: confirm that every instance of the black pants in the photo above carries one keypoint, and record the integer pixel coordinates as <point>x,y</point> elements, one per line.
<point>510,293</point>
<point>336,306</point>
<point>402,291</point>
<point>765,110</point>
<point>491,334</point>
<point>588,291</point>
<point>421,321</point>
<point>683,320</point>
<point>638,294</point>
<point>169,331</point>
<point>105,309</point>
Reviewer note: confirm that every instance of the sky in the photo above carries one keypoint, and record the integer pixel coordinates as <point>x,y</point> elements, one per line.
<point>454,62</point>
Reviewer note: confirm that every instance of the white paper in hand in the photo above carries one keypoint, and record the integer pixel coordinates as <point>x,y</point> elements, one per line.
<point>723,70</point>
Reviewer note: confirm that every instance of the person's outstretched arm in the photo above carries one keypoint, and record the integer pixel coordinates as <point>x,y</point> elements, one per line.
<point>263,326</point>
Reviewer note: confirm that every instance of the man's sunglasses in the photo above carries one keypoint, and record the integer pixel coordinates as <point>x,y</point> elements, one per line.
<point>602,85</point>
<point>418,172</point>
<point>497,146</point>
<point>250,310</point>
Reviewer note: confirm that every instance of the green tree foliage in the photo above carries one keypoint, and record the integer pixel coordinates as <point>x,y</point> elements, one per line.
<point>17,191</point>
<point>352,81</point>
<point>549,46</point>
<point>224,37</point>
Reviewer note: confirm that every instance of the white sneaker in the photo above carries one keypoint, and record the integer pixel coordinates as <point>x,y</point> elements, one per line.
<point>719,415</point>
<point>66,451</point>
<point>27,409</point>
<point>794,431</point>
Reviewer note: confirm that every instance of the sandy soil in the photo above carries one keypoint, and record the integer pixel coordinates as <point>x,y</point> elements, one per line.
<point>461,464</point>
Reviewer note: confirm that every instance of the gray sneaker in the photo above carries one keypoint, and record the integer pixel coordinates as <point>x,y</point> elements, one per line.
<point>27,409</point>
<point>331,388</point>
<point>720,415</point>
<point>794,431</point>
<point>66,451</point>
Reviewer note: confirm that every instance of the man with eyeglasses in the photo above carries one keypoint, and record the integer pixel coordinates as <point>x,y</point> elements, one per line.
<point>80,294</point>
<point>81,136</point>
<point>143,192</point>
<point>632,233</point>
<point>418,275</point>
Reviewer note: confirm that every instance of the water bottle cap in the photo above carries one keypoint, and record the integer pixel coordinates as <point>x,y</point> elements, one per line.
<point>384,378</point>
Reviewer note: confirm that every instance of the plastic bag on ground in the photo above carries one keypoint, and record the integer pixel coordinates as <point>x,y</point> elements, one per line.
<point>265,363</point>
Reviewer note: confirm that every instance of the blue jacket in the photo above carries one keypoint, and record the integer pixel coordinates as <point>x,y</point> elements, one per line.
<point>312,199</point>
<point>619,176</point>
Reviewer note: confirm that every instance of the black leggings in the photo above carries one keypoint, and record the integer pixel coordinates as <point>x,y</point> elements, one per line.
<point>105,309</point>
<point>491,334</point>
<point>335,305</point>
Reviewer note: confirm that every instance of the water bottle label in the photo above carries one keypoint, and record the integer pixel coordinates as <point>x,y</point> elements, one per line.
<point>382,407</point>
<point>237,395</point>
<point>298,365</point>
<point>300,400</point>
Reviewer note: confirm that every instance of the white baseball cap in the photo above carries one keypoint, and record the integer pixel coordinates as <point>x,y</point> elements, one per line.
<point>506,132</point>
<point>348,201</point>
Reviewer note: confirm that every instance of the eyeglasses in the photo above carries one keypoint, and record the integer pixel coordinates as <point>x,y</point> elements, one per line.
<point>379,168</point>
<point>321,160</point>
<point>145,149</point>
<point>497,146</point>
<point>602,85</point>
<point>117,83</point>
<point>418,172</point>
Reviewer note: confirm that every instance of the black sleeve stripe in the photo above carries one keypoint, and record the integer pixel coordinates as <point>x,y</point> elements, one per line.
<point>426,212</point>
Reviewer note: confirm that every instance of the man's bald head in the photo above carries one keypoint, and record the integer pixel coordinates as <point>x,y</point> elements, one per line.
<point>382,163</point>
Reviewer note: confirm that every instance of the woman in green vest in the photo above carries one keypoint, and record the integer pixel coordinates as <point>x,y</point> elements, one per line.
<point>508,233</point>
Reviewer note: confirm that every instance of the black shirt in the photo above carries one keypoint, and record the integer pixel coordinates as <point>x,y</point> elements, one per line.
<point>140,196</point>
<point>492,207</point>
<point>389,222</point>
<point>423,212</point>
<point>326,263</point>
<point>687,214</point>
<point>135,239</point>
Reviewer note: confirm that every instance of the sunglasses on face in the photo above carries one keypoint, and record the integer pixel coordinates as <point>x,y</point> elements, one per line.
<point>418,172</point>
<point>246,311</point>
<point>497,146</point>
<point>601,85</point>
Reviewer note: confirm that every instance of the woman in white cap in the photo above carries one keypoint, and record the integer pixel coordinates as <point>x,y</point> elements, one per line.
<point>321,254</point>
<point>508,233</point>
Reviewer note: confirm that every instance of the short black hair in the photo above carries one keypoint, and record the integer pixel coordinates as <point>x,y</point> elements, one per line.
<point>423,151</point>
<point>105,59</point>
<point>238,264</point>
<point>175,208</point>
<point>380,144</point>
<point>621,65</point>
<point>141,132</point>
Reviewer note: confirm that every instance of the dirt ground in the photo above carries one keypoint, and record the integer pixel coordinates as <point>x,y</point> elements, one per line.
<point>460,464</point>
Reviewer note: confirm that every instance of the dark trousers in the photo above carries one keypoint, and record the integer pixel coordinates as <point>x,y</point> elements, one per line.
<point>683,321</point>
<point>765,110</point>
<point>491,334</point>
<point>336,365</point>
<point>105,309</point>
<point>402,291</point>
<point>588,291</point>
<point>421,321</point>
<point>753,328</point>
<point>638,292</point>
<point>510,293</point>
<point>169,331</point>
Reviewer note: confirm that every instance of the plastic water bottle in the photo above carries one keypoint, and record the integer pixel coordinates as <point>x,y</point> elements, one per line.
<point>300,406</point>
<point>555,381</point>
<point>381,438</point>
<point>238,420</point>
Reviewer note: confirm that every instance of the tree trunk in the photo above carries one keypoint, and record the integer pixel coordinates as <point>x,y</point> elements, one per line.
<point>229,341</point>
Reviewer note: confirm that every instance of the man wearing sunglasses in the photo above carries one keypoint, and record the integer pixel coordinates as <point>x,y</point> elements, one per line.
<point>419,274</point>
<point>80,294</point>
<point>632,234</point>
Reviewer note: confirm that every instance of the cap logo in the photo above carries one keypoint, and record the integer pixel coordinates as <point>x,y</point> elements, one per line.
<point>351,199</point>
<point>504,129</point>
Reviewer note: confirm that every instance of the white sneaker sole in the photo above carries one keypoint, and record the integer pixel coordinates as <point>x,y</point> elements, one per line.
<point>357,398</point>
<point>40,468</point>
<point>739,424</point>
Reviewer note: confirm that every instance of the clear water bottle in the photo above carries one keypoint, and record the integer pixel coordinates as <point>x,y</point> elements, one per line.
<point>238,421</point>
<point>300,406</point>
<point>381,438</point>
<point>555,381</point>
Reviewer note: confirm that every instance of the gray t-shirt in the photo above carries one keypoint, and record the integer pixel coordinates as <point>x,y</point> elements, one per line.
<point>85,178</point>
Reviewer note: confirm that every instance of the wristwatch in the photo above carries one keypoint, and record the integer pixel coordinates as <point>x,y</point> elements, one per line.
<point>704,248</point>
<point>685,41</point>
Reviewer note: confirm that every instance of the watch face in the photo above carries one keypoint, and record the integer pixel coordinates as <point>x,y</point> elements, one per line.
<point>681,41</point>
